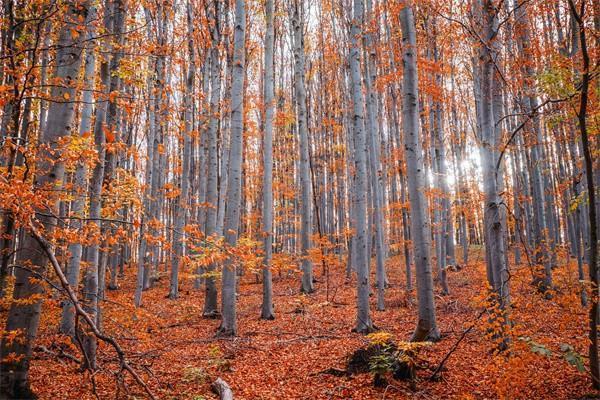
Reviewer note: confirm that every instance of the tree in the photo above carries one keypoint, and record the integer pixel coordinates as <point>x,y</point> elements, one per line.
<point>594,265</point>
<point>420,231</point>
<point>24,313</point>
<point>210,302</point>
<point>180,218</point>
<point>359,242</point>
<point>490,141</point>
<point>375,169</point>
<point>269,99</point>
<point>302,123</point>
<point>530,103</point>
<point>67,325</point>
<point>228,325</point>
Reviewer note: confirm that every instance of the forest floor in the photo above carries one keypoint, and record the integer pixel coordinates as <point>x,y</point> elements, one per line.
<point>175,350</point>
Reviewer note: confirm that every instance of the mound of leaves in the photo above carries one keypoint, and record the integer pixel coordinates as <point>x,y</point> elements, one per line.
<point>383,357</point>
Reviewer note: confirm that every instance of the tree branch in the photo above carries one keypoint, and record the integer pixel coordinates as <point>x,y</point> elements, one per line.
<point>46,246</point>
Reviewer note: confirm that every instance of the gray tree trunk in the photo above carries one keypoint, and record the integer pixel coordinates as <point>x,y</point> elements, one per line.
<point>542,251</point>
<point>210,299</point>
<point>376,170</point>
<point>90,290</point>
<point>118,10</point>
<point>267,213</point>
<point>67,324</point>
<point>490,141</point>
<point>302,121</point>
<point>420,229</point>
<point>143,248</point>
<point>182,206</point>
<point>234,188</point>
<point>360,187</point>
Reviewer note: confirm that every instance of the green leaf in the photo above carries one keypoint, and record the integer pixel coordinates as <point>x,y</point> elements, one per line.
<point>540,349</point>
<point>535,347</point>
<point>573,357</point>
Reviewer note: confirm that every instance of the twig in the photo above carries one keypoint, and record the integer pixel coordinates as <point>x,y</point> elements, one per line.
<point>529,116</point>
<point>386,390</point>
<point>303,338</point>
<point>455,346</point>
<point>58,355</point>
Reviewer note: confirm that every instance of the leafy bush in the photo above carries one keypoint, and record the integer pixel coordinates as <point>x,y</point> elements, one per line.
<point>195,375</point>
<point>385,357</point>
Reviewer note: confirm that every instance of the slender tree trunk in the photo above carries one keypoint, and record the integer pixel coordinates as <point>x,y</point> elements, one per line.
<point>112,152</point>
<point>67,325</point>
<point>359,242</point>
<point>493,226</point>
<point>267,214</point>
<point>420,229</point>
<point>542,250</point>
<point>302,121</point>
<point>143,248</point>
<point>232,214</point>
<point>9,125</point>
<point>182,207</point>
<point>210,299</point>
<point>590,170</point>
<point>375,168</point>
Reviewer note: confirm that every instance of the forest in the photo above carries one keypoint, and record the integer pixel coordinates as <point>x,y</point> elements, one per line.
<point>299,199</point>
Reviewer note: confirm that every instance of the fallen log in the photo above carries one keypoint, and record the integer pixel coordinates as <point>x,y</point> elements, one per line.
<point>221,388</point>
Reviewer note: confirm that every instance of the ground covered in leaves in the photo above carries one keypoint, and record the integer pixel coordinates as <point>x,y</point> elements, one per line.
<point>175,351</point>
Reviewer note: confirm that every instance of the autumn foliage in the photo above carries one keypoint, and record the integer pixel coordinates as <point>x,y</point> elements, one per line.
<point>299,199</point>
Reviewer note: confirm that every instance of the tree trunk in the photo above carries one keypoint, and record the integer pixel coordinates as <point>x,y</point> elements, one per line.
<point>143,248</point>
<point>360,188</point>
<point>267,213</point>
<point>302,121</point>
<point>67,324</point>
<point>493,226</point>
<point>375,168</point>
<point>210,299</point>
<point>590,170</point>
<point>420,229</point>
<point>232,214</point>
<point>182,206</point>
<point>530,103</point>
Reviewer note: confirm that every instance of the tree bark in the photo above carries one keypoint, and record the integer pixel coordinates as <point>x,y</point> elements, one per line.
<point>420,228</point>
<point>182,206</point>
<point>375,167</point>
<point>360,188</point>
<point>228,325</point>
<point>490,142</point>
<point>302,121</point>
<point>210,298</point>
<point>594,265</point>
<point>67,324</point>
<point>267,213</point>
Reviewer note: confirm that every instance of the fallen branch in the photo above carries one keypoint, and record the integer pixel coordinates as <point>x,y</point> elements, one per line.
<point>436,372</point>
<point>306,338</point>
<point>332,371</point>
<point>46,246</point>
<point>60,354</point>
<point>388,387</point>
<point>221,388</point>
